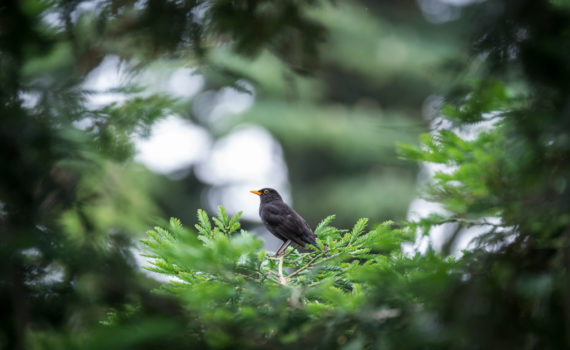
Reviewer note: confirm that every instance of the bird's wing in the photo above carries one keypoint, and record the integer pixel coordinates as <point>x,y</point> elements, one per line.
<point>272,214</point>
<point>307,233</point>
<point>285,222</point>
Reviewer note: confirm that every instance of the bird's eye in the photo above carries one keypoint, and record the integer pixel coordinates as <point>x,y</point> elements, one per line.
<point>266,192</point>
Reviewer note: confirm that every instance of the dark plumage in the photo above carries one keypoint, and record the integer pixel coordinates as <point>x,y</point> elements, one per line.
<point>282,221</point>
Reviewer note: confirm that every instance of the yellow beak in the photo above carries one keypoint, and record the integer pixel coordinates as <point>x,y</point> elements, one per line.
<point>256,192</point>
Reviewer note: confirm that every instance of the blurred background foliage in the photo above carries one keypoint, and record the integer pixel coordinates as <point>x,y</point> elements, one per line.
<point>336,85</point>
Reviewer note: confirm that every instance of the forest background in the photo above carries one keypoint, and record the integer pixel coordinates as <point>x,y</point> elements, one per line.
<point>351,109</point>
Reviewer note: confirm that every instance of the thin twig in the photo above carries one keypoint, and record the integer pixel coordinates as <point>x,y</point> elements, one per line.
<point>282,279</point>
<point>268,277</point>
<point>467,222</point>
<point>306,266</point>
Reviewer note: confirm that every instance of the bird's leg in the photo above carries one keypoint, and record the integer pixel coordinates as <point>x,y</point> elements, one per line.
<point>278,252</point>
<point>284,249</point>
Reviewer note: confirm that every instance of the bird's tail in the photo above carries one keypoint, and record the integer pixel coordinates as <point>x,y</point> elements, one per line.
<point>301,249</point>
<point>312,242</point>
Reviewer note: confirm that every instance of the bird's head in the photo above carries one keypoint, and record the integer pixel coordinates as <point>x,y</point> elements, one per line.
<point>267,194</point>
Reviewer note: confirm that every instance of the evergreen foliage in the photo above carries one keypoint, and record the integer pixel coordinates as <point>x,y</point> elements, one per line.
<point>235,295</point>
<point>337,84</point>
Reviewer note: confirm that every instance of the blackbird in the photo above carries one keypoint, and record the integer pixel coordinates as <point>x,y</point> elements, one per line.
<point>283,222</point>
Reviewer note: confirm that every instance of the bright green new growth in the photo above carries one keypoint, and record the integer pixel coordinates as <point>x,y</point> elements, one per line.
<point>220,253</point>
<point>228,284</point>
